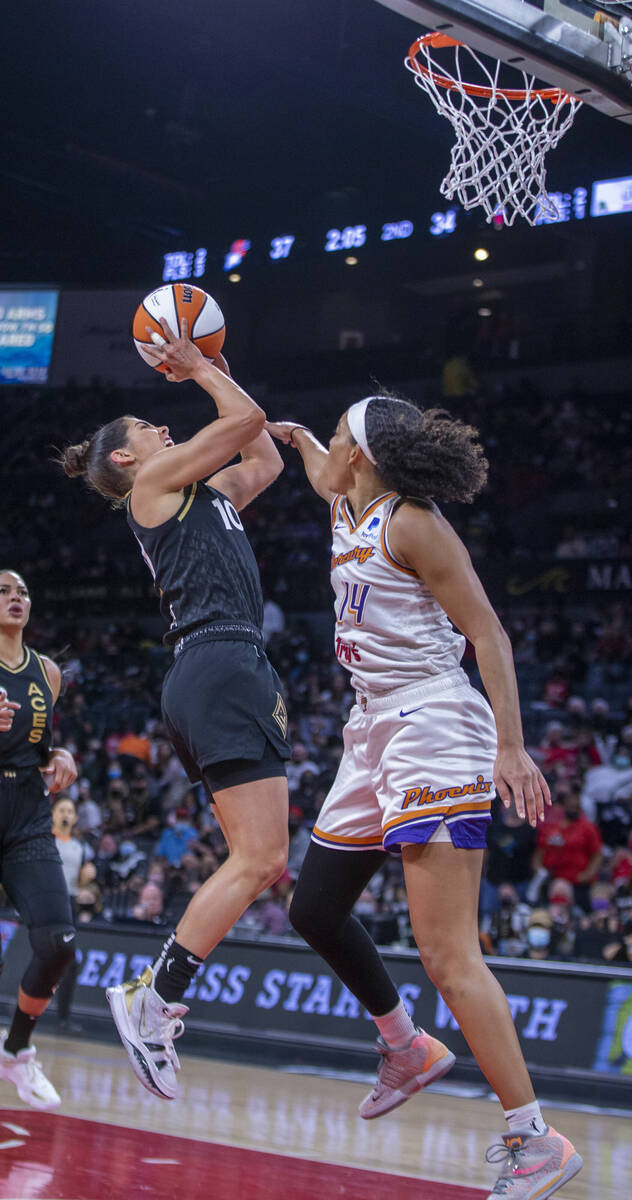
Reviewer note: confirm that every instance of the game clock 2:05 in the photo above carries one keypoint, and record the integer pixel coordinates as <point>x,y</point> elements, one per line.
<point>353,236</point>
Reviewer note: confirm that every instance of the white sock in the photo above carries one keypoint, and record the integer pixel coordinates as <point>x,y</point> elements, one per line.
<point>527,1117</point>
<point>396,1027</point>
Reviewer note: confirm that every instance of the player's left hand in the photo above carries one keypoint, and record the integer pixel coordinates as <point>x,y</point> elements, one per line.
<point>282,430</point>
<point>517,777</point>
<point>60,770</point>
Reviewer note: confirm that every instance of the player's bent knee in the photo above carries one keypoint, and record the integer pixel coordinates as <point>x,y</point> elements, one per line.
<point>53,951</point>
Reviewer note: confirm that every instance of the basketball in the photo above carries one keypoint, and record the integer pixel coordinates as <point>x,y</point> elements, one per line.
<point>173,302</point>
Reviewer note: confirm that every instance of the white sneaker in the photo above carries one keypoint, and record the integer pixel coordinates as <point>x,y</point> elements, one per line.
<point>147,1026</point>
<point>403,1072</point>
<point>25,1072</point>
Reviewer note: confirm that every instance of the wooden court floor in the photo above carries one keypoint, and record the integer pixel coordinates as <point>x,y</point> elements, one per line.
<point>252,1133</point>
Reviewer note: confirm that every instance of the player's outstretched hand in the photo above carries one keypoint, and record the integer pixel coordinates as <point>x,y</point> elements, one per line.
<point>517,777</point>
<point>8,708</point>
<point>60,770</point>
<point>282,430</point>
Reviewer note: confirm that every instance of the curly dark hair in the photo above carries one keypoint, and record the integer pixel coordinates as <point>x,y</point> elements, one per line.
<point>424,454</point>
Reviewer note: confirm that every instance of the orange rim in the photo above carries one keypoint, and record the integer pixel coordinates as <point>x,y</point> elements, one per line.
<point>439,40</point>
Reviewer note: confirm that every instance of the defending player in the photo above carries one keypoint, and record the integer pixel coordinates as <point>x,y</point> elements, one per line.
<point>221,698</point>
<point>30,867</point>
<point>423,754</point>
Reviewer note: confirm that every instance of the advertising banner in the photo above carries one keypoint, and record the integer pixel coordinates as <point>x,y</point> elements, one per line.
<point>568,1018</point>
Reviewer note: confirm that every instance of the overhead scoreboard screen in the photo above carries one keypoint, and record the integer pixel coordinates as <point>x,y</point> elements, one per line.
<point>27,330</point>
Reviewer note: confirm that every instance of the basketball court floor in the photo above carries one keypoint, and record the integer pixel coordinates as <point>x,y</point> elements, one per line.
<point>238,1132</point>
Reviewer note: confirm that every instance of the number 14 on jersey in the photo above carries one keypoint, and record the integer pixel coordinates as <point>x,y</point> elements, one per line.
<point>353,601</point>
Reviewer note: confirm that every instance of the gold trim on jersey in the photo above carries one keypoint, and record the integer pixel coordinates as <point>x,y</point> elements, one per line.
<point>391,560</point>
<point>16,670</point>
<point>367,512</point>
<point>334,510</point>
<point>187,504</point>
<point>44,672</point>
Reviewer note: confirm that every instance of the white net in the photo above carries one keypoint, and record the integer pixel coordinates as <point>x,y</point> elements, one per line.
<point>502,134</point>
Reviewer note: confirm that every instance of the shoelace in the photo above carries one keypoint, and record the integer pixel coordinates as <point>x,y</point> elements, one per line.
<point>500,1152</point>
<point>389,1073</point>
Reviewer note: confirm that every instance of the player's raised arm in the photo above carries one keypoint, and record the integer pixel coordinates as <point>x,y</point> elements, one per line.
<point>240,420</point>
<point>261,462</point>
<point>315,456</point>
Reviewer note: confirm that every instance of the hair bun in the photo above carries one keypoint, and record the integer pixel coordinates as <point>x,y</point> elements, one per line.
<point>74,459</point>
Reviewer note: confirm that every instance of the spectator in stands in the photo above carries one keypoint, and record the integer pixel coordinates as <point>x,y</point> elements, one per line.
<point>272,908</point>
<point>511,843</point>
<point>556,688</point>
<point>600,927</point>
<point>570,847</point>
<point>89,818</point>
<point>620,948</point>
<point>299,765</point>
<point>150,905</point>
<point>557,748</point>
<point>178,836</point>
<point>539,935</point>
<point>273,620</point>
<point>300,837</point>
<point>145,810</point>
<point>135,744</point>
<point>608,782</point>
<point>565,914</point>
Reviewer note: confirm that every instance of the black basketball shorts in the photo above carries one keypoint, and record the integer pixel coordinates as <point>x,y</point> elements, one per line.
<point>221,702</point>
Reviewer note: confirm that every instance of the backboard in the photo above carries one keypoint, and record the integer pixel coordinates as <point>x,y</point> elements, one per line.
<point>558,41</point>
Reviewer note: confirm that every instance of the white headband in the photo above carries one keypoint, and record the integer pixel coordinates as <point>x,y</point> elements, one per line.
<point>356,421</point>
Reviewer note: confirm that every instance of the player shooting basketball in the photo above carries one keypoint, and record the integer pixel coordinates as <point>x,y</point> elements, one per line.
<point>424,753</point>
<point>221,698</point>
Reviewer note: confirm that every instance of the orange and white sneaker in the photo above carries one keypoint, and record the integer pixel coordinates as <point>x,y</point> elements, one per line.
<point>535,1165</point>
<point>404,1071</point>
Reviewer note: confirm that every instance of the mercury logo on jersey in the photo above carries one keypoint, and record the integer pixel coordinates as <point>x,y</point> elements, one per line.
<point>424,795</point>
<point>358,554</point>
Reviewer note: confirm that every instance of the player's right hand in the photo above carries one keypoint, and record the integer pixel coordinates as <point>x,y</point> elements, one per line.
<point>8,708</point>
<point>179,354</point>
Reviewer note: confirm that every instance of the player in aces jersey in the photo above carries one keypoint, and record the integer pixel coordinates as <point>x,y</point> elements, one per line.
<point>423,756</point>
<point>221,698</point>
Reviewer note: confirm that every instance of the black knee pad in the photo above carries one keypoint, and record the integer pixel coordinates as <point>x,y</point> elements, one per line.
<point>53,951</point>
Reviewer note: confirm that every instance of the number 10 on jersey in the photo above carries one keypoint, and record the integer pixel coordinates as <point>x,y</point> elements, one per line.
<point>353,601</point>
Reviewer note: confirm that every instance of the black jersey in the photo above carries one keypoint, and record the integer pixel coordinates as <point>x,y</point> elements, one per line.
<point>202,563</point>
<point>28,742</point>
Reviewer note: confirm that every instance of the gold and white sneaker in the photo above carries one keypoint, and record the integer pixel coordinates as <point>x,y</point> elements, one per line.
<point>23,1070</point>
<point>147,1026</point>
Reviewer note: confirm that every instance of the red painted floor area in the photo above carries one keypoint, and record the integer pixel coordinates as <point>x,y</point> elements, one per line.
<point>49,1156</point>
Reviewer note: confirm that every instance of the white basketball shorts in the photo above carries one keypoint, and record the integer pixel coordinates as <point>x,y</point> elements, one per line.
<point>417,766</point>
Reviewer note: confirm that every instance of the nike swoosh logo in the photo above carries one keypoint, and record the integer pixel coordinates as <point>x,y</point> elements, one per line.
<point>405,712</point>
<point>530,1170</point>
<point>67,937</point>
<point>194,962</point>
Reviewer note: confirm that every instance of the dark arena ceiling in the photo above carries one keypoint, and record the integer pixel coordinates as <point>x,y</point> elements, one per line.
<point>129,130</point>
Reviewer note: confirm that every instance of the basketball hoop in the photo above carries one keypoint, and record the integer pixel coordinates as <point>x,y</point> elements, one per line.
<point>502,134</point>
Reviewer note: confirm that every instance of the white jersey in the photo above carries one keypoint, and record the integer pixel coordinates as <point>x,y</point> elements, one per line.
<point>390,630</point>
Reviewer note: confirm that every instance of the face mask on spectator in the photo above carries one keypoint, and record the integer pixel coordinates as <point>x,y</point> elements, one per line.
<point>538,937</point>
<point>599,904</point>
